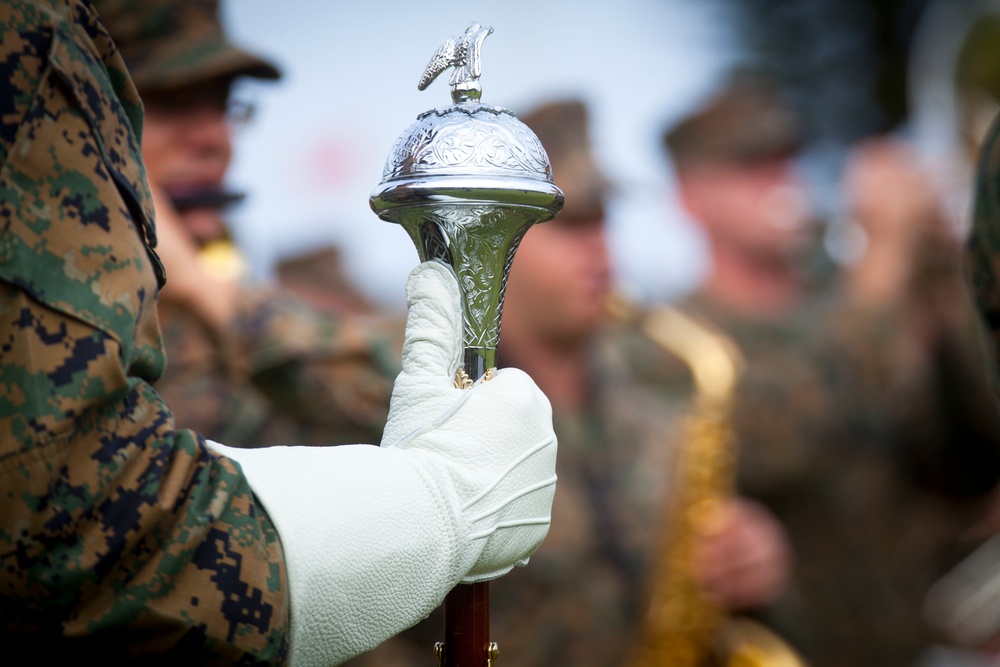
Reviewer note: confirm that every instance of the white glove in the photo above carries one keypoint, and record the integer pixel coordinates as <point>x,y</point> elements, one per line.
<point>460,490</point>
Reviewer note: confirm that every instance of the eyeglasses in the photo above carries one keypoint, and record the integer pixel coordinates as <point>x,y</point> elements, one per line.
<point>239,112</point>
<point>214,95</point>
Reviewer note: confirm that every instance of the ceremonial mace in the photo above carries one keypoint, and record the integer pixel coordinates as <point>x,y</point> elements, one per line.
<point>466,182</point>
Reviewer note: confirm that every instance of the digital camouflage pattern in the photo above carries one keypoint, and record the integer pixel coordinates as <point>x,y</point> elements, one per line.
<point>167,44</point>
<point>119,534</point>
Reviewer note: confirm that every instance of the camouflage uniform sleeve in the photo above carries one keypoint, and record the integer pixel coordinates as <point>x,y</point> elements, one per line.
<point>332,373</point>
<point>119,535</point>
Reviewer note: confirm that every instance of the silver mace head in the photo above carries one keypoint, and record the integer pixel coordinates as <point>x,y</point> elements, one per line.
<point>466,182</point>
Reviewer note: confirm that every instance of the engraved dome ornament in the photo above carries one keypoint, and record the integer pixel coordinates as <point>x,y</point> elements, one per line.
<point>466,182</point>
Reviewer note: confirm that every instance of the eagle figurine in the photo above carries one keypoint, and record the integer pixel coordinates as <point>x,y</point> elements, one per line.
<point>462,53</point>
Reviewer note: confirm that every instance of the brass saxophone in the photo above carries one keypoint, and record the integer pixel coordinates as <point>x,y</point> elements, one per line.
<point>683,626</point>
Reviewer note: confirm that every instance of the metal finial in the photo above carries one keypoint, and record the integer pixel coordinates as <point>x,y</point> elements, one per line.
<point>462,53</point>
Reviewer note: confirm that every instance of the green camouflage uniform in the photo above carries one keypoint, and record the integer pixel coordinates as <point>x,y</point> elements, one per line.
<point>119,534</point>
<point>873,477</point>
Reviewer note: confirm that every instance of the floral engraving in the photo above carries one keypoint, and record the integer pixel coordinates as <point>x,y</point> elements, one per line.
<point>452,142</point>
<point>479,243</point>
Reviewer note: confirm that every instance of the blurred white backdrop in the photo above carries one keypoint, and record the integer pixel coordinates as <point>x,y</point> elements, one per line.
<point>321,135</point>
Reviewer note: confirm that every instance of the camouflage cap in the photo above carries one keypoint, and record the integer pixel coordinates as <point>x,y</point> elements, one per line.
<point>563,129</point>
<point>746,121</point>
<point>172,43</point>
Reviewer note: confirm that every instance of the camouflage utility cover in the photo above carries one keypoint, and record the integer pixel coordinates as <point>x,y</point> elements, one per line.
<point>119,534</point>
<point>168,44</point>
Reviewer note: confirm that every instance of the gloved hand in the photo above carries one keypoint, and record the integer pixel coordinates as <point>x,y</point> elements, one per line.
<point>494,444</point>
<point>460,490</point>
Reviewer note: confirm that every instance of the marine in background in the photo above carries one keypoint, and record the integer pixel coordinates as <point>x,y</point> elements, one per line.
<point>249,362</point>
<point>581,602</point>
<point>863,421</point>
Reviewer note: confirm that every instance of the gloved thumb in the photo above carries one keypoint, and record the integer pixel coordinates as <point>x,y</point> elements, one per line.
<point>432,347</point>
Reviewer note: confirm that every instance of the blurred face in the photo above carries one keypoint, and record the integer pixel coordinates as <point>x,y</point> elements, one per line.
<point>759,209</point>
<point>559,281</point>
<point>187,145</point>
